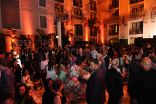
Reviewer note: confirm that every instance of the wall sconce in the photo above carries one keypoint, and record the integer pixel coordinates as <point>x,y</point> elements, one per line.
<point>57,37</point>
<point>123,36</point>
<point>149,36</point>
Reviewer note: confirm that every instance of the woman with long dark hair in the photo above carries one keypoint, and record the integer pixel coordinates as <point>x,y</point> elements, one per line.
<point>64,68</point>
<point>48,94</point>
<point>58,97</point>
<point>16,69</point>
<point>20,92</point>
<point>37,67</point>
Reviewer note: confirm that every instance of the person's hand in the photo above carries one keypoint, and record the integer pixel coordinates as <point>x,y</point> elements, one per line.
<point>28,77</point>
<point>134,101</point>
<point>22,65</point>
<point>69,99</point>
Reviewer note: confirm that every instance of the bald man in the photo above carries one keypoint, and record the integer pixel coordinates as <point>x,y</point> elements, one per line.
<point>142,84</point>
<point>102,65</point>
<point>114,83</point>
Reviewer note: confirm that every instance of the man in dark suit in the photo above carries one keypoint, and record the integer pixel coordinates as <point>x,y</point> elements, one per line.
<point>106,58</point>
<point>95,93</point>
<point>114,83</point>
<point>26,59</point>
<point>136,63</point>
<point>142,84</point>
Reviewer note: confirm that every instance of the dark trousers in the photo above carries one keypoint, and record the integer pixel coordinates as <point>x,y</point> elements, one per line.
<point>43,76</point>
<point>113,99</point>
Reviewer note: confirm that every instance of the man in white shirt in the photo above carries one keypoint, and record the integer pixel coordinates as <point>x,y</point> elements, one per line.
<point>94,52</point>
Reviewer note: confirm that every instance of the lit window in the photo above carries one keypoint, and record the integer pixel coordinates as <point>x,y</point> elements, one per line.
<point>116,28</point>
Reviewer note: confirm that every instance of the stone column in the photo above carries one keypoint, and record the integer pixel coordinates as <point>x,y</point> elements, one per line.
<point>8,44</point>
<point>59,34</point>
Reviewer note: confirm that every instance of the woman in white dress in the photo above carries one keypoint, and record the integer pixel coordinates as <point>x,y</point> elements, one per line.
<point>51,69</point>
<point>26,79</point>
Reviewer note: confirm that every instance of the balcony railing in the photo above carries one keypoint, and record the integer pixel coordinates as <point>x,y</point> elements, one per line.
<point>110,6</point>
<point>153,15</point>
<point>113,19</point>
<point>78,17</point>
<point>78,4</point>
<point>61,15</point>
<point>135,1</point>
<point>62,1</point>
<point>93,8</point>
<point>136,15</point>
<point>98,22</point>
<point>135,31</point>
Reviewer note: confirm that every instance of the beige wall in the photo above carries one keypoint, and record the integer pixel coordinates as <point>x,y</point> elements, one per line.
<point>149,28</point>
<point>29,16</point>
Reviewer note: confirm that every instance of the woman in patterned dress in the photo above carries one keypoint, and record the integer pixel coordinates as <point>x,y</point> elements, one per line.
<point>72,85</point>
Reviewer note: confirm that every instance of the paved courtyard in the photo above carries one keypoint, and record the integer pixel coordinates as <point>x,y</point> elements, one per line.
<point>125,99</point>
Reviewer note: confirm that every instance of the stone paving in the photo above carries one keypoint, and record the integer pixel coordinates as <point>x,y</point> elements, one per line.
<point>125,99</point>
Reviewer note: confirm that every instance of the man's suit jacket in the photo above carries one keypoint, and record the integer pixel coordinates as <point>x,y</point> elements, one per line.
<point>103,66</point>
<point>106,61</point>
<point>24,57</point>
<point>114,82</point>
<point>95,93</point>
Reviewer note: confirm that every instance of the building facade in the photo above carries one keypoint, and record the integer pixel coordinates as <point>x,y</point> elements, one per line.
<point>129,19</point>
<point>62,17</point>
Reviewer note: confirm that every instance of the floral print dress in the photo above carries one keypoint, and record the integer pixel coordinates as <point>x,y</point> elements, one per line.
<point>73,86</point>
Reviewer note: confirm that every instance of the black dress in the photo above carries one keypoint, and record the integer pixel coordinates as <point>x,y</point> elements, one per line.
<point>63,99</point>
<point>47,97</point>
<point>17,73</point>
<point>37,61</point>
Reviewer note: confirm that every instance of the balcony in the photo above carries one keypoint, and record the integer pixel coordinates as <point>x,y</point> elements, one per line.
<point>142,15</point>
<point>153,15</point>
<point>61,16</point>
<point>117,19</point>
<point>135,31</point>
<point>110,6</point>
<point>62,1</point>
<point>93,9</point>
<point>77,4</point>
<point>59,3</point>
<point>135,1</point>
<point>78,18</point>
<point>98,23</point>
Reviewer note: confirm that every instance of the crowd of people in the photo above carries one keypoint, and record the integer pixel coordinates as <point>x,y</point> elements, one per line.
<point>60,72</point>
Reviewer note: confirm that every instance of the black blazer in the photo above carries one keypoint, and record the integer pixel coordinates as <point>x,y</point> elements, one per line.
<point>106,61</point>
<point>95,93</point>
<point>114,82</point>
<point>23,57</point>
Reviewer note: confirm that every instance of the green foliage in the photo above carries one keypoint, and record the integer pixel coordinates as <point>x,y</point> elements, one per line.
<point>37,41</point>
<point>41,32</point>
<point>22,37</point>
